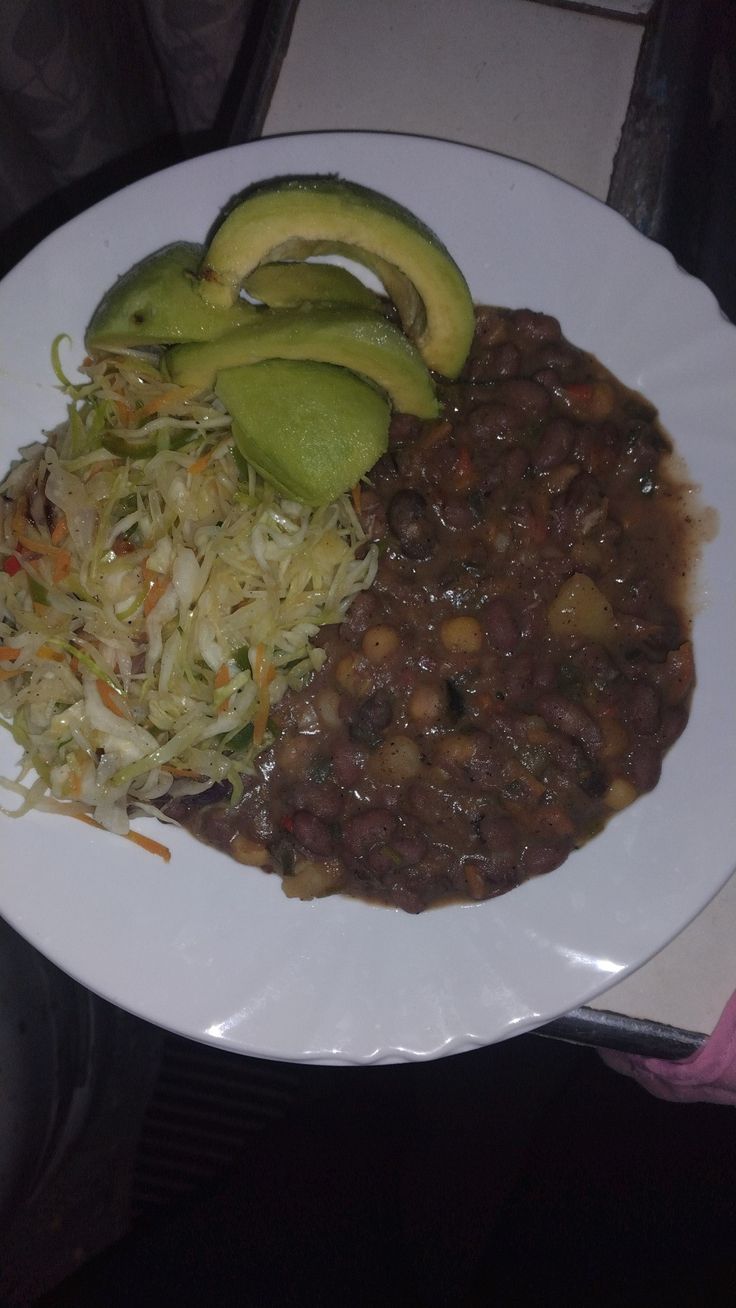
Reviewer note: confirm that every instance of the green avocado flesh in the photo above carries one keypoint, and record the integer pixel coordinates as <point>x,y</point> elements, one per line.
<point>311,429</point>
<point>364,342</point>
<point>292,218</point>
<point>157,303</point>
<point>287,285</point>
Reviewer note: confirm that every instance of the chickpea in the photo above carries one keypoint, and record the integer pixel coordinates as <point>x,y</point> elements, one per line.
<point>455,749</point>
<point>293,753</point>
<point>352,678</point>
<point>426,704</point>
<point>477,888</point>
<point>462,635</point>
<point>398,759</point>
<point>312,879</point>
<point>380,642</point>
<point>328,708</point>
<point>248,851</point>
<point>615,737</point>
<point>620,794</point>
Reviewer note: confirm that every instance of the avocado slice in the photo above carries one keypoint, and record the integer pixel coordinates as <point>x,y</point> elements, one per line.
<point>364,342</point>
<point>294,217</point>
<point>311,429</point>
<point>156,303</point>
<point>287,285</point>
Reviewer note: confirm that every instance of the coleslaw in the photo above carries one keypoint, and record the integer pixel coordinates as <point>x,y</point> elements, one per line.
<point>157,598</point>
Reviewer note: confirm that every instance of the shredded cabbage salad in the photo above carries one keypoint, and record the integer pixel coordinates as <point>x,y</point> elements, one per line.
<point>157,598</point>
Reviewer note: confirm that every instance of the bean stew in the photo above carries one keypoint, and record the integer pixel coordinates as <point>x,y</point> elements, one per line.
<point>522,662</point>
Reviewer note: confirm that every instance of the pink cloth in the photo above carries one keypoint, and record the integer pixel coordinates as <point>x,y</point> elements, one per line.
<point>708,1076</point>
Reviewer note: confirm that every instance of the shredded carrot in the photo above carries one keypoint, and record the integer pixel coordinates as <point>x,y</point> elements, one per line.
<point>112,699</point>
<point>174,397</point>
<point>124,412</point>
<point>151,846</point>
<point>181,772</point>
<point>157,587</point>
<point>263,671</point>
<point>39,609</point>
<point>8,652</point>
<point>102,466</point>
<point>222,676</point>
<point>263,674</point>
<point>46,652</point>
<point>62,565</point>
<point>356,495</point>
<point>260,721</point>
<point>200,464</point>
<point>39,546</point>
<point>145,842</point>
<point>60,532</point>
<point>6,673</point>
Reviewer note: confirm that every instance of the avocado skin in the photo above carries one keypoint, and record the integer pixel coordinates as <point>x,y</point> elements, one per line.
<point>363,342</point>
<point>295,217</point>
<point>288,285</point>
<point>311,429</point>
<point>157,303</point>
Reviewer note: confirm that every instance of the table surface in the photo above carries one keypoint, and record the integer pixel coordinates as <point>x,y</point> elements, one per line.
<point>551,86</point>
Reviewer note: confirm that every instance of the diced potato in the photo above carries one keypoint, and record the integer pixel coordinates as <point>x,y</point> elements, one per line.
<point>311,879</point>
<point>580,609</point>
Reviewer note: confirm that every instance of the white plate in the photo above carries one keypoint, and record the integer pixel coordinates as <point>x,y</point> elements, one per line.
<point>206,948</point>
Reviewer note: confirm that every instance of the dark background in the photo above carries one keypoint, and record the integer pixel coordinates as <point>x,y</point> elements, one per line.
<point>523,1174</point>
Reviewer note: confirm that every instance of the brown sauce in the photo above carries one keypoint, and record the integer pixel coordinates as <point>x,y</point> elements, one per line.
<point>521,664</point>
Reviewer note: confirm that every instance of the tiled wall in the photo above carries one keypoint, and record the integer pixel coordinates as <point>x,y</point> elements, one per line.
<point>547,83</point>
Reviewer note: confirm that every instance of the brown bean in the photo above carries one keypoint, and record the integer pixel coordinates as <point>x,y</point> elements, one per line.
<point>674,721</point>
<point>404,427</point>
<point>502,628</point>
<point>458,513</point>
<point>348,763</point>
<point>372,717</point>
<point>312,833</point>
<point>535,327</point>
<point>643,766</point>
<point>323,798</point>
<point>560,357</point>
<point>401,851</point>
<point>515,464</point>
<point>374,826</point>
<point>361,613</point>
<point>408,518</point>
<point>500,360</point>
<point>639,706</point>
<point>554,445</point>
<point>498,834</point>
<point>493,422</point>
<point>531,399</point>
<point>571,719</point>
<point>538,859</point>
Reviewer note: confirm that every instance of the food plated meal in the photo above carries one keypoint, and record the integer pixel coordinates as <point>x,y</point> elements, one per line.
<point>194,617</point>
<point>218,947</point>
